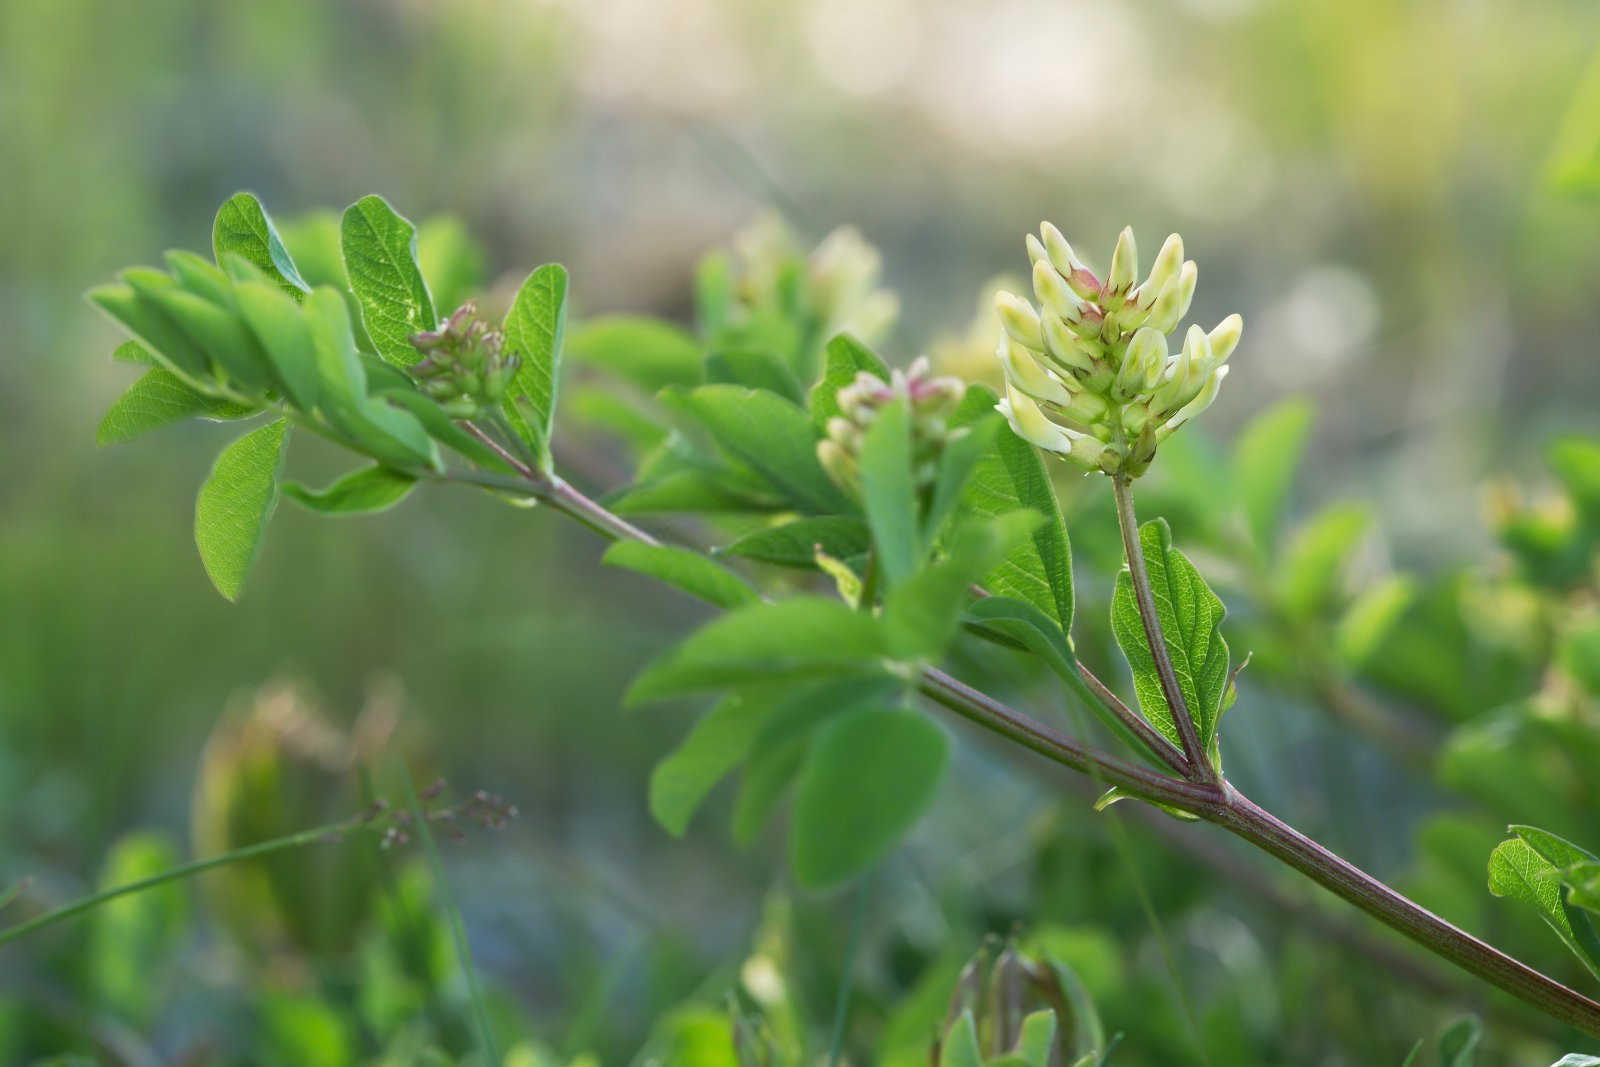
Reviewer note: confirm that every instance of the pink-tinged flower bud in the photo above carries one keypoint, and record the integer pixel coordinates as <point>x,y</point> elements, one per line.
<point>1030,423</point>
<point>1019,319</point>
<point>1054,294</point>
<point>1065,347</point>
<point>1024,372</point>
<point>1067,264</point>
<point>1224,337</point>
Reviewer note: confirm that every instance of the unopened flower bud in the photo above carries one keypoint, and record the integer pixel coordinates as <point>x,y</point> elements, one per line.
<point>1030,423</point>
<point>1224,337</point>
<point>1024,372</point>
<point>1065,346</point>
<point>1168,262</point>
<point>1054,294</point>
<point>1019,319</point>
<point>1124,265</point>
<point>1067,264</point>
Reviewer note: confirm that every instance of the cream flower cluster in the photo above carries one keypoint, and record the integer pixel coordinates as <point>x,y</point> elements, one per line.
<point>1088,371</point>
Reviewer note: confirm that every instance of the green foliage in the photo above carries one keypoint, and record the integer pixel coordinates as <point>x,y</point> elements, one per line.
<point>1533,867</point>
<point>1191,622</point>
<point>534,328</point>
<point>243,228</point>
<point>843,359</point>
<point>692,573</point>
<point>380,259</point>
<point>888,492</point>
<point>868,777</point>
<point>235,503</point>
<point>160,398</point>
<point>1264,460</point>
<point>795,543</point>
<point>646,352</point>
<point>132,940</point>
<point>357,493</point>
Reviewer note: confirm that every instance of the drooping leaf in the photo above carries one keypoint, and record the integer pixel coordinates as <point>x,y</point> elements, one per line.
<point>768,434</point>
<point>718,742</point>
<point>844,358</point>
<point>243,228</point>
<point>534,327</point>
<point>1191,622</point>
<point>869,776</point>
<point>889,494</point>
<point>796,638</point>
<point>376,488</point>
<point>794,544</point>
<point>650,353</point>
<point>1010,477</point>
<point>234,504</point>
<point>380,259</point>
<point>686,570</point>
<point>160,398</point>
<point>1264,462</point>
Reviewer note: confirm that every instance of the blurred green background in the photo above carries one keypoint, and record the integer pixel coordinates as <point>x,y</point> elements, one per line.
<point>1395,196</point>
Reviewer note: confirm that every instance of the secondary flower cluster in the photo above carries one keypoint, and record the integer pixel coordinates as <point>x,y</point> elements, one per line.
<point>464,367</point>
<point>1088,372</point>
<point>929,401</point>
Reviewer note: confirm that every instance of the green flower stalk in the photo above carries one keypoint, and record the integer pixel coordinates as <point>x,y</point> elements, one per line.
<point>930,401</point>
<point>1088,372</point>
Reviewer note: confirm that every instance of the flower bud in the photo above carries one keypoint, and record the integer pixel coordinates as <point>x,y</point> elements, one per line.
<point>1224,337</point>
<point>1054,294</point>
<point>1030,423</point>
<point>1124,265</point>
<point>1173,302</point>
<point>1067,264</point>
<point>1024,372</point>
<point>1019,319</point>
<point>1066,347</point>
<point>1168,262</point>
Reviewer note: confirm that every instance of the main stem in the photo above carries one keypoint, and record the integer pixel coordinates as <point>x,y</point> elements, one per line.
<point>1200,768</point>
<point>1214,800</point>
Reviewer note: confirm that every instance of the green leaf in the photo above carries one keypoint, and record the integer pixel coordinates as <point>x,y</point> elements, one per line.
<point>889,492</point>
<point>770,435</point>
<point>956,466</point>
<point>844,358</point>
<point>380,259</point>
<point>1576,461</point>
<point>689,491</point>
<point>1009,477</point>
<point>1264,460</point>
<point>1191,621</point>
<point>920,616</point>
<point>158,335</point>
<point>755,368</point>
<point>1411,1057</point>
<point>960,1046</point>
<point>533,328</point>
<point>1038,1038</point>
<point>278,323</point>
<point>160,398</point>
<point>442,428</point>
<point>796,638</point>
<point>650,353</point>
<point>243,228</point>
<point>1582,880</point>
<point>133,939</point>
<point>869,776</point>
<point>217,331</point>
<point>794,544</point>
<point>1316,557</point>
<point>231,512</point>
<point>718,742</point>
<point>686,570</point>
<point>135,353</point>
<point>1518,871</point>
<point>1580,655</point>
<point>371,489</point>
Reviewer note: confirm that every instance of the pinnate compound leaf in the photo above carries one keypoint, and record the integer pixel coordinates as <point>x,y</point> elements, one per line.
<point>685,570</point>
<point>795,544</point>
<point>768,434</point>
<point>376,488</point>
<point>869,776</point>
<point>1517,870</point>
<point>231,512</point>
<point>160,398</point>
<point>650,353</point>
<point>1011,476</point>
<point>844,358</point>
<point>534,327</point>
<point>1191,622</point>
<point>801,637</point>
<point>1264,462</point>
<point>243,228</point>
<point>380,259</point>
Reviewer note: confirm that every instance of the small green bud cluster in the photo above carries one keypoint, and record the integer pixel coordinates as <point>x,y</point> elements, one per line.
<point>1088,372</point>
<point>930,401</point>
<point>465,367</point>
